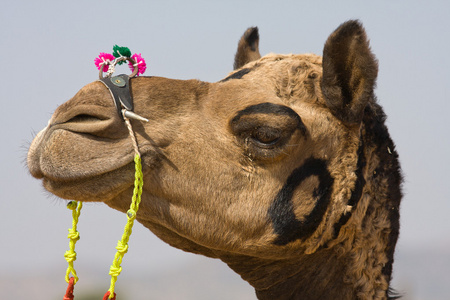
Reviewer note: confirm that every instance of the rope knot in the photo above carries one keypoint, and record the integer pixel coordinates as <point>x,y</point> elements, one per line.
<point>70,256</point>
<point>122,248</point>
<point>73,235</point>
<point>115,271</point>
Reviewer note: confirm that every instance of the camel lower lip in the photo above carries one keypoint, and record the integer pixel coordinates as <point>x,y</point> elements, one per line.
<point>92,188</point>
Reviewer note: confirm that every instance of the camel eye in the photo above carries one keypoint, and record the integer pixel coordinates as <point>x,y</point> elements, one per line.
<point>266,137</point>
<point>264,130</point>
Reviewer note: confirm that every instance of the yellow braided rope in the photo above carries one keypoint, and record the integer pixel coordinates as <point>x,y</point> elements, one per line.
<point>122,245</point>
<point>73,236</point>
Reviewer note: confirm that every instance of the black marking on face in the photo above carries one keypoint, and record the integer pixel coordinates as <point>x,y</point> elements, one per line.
<point>356,192</point>
<point>237,75</point>
<point>270,108</point>
<point>281,212</point>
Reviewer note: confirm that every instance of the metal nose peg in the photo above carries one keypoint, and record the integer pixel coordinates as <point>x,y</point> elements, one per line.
<point>131,115</point>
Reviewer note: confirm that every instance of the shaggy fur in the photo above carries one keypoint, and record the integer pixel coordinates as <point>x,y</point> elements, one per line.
<point>284,170</point>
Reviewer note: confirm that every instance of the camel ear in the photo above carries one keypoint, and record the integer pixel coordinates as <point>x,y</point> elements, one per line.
<point>248,48</point>
<point>349,72</point>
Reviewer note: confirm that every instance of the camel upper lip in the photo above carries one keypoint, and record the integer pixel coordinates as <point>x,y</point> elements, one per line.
<point>88,127</point>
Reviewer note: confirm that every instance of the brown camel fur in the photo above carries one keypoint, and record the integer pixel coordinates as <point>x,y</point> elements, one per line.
<point>284,170</point>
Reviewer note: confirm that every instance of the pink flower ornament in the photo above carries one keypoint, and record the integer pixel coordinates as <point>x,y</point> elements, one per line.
<point>104,59</point>
<point>142,66</point>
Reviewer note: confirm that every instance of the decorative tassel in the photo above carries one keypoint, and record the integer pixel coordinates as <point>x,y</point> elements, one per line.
<point>142,66</point>
<point>105,59</point>
<point>120,56</point>
<point>121,51</point>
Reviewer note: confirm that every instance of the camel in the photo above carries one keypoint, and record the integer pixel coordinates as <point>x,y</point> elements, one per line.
<point>284,170</point>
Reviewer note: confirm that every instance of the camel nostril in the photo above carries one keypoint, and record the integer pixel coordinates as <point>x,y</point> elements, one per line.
<point>84,118</point>
<point>89,119</point>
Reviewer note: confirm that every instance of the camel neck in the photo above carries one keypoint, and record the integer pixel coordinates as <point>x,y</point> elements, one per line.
<point>321,275</point>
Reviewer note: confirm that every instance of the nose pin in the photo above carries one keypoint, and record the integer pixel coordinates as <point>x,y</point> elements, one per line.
<point>131,115</point>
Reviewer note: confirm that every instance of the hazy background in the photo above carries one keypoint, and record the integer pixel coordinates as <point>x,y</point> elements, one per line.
<point>46,56</point>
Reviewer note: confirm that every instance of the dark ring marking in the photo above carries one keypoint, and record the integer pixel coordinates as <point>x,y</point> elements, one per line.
<point>281,212</point>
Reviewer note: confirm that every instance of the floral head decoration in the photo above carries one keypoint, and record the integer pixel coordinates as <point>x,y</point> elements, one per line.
<point>106,62</point>
<point>119,86</point>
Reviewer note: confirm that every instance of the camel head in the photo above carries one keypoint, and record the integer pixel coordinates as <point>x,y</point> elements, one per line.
<point>284,169</point>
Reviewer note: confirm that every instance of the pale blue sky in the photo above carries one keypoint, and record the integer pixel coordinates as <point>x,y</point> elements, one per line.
<point>47,54</point>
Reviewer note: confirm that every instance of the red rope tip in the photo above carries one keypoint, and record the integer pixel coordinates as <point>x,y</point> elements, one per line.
<point>106,297</point>
<point>69,291</point>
